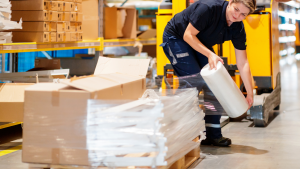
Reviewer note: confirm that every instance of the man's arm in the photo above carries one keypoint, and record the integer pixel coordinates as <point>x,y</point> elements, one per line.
<point>244,68</point>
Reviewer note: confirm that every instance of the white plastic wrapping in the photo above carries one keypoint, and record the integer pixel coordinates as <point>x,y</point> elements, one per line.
<point>225,90</point>
<point>156,130</point>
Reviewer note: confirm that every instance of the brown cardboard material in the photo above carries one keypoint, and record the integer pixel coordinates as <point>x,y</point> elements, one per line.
<point>111,25</point>
<point>90,20</point>
<point>151,33</point>
<point>61,26</point>
<point>60,16</point>
<point>31,37</point>
<point>78,7</point>
<point>37,5</point>
<point>79,17</point>
<point>67,36</point>
<point>73,16</point>
<point>66,16</point>
<point>53,36</point>
<point>54,6</point>
<point>56,102</point>
<point>53,26</point>
<point>60,6</point>
<point>74,36</point>
<point>60,37</point>
<point>34,27</point>
<point>67,6</point>
<point>80,36</point>
<point>12,101</point>
<point>30,15</point>
<point>53,15</point>
<point>46,64</point>
<point>73,27</point>
<point>79,27</point>
<point>72,7</point>
<point>68,26</point>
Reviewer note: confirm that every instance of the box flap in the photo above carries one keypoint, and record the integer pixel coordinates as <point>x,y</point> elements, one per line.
<point>135,67</point>
<point>47,87</point>
<point>151,33</point>
<point>13,92</point>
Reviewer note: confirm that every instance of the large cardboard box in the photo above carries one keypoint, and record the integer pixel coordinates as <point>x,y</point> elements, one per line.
<point>35,27</point>
<point>30,15</point>
<point>90,20</point>
<point>31,37</point>
<point>46,64</point>
<point>59,111</point>
<point>31,5</point>
<point>112,23</point>
<point>12,101</point>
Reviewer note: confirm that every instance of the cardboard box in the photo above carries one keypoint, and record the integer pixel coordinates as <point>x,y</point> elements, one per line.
<point>78,7</point>
<point>73,16</point>
<point>151,33</point>
<point>54,6</point>
<point>60,6</point>
<point>60,37</point>
<point>79,17</point>
<point>53,36</point>
<point>34,27</point>
<point>61,27</point>
<point>73,27</point>
<point>74,36</point>
<point>68,26</point>
<point>53,26</point>
<point>67,37</point>
<point>73,6</point>
<point>111,23</point>
<point>29,5</point>
<point>79,26</point>
<point>90,20</point>
<point>53,15</point>
<point>31,37</point>
<point>79,36</point>
<point>66,16</point>
<point>60,16</point>
<point>30,16</point>
<point>67,6</point>
<point>12,101</point>
<point>46,64</point>
<point>63,107</point>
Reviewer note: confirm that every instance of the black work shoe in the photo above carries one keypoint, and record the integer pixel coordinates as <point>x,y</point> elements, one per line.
<point>221,142</point>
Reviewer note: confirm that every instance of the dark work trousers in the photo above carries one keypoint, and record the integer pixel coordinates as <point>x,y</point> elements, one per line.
<point>187,61</point>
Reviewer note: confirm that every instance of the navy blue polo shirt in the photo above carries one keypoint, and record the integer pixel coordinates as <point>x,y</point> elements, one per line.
<point>208,17</point>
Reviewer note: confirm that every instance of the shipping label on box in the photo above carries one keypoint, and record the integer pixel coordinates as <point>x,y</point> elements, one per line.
<point>73,16</point>
<point>53,36</point>
<point>53,26</point>
<point>78,7</point>
<point>73,27</point>
<point>60,16</point>
<point>67,6</point>
<point>66,16</point>
<point>79,17</point>
<point>60,37</point>
<point>30,16</point>
<point>61,27</point>
<point>54,5</point>
<point>53,15</point>
<point>36,5</point>
<point>67,36</point>
<point>68,26</point>
<point>60,6</point>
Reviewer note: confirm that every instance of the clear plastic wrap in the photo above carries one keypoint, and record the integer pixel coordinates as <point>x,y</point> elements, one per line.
<point>155,130</point>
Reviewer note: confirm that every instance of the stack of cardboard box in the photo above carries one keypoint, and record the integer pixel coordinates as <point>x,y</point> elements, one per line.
<point>6,23</point>
<point>48,21</point>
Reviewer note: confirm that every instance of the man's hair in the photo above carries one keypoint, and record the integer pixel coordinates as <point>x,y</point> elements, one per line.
<point>251,4</point>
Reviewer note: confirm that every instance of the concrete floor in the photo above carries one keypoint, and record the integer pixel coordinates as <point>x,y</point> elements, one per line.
<point>274,147</point>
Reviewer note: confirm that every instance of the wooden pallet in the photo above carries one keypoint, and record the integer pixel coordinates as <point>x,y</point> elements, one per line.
<point>181,163</point>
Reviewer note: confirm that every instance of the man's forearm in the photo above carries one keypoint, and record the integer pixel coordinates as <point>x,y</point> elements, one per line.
<point>195,43</point>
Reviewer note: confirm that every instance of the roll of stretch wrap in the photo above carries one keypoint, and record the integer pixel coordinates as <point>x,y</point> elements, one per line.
<point>225,90</point>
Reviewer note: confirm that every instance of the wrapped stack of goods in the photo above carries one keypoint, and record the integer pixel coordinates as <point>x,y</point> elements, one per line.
<point>48,21</point>
<point>159,129</point>
<point>6,23</point>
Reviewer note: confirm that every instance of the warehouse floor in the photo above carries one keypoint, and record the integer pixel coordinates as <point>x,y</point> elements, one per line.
<point>276,146</point>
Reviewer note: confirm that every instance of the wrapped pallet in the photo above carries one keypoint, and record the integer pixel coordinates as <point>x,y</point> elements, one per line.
<point>155,130</point>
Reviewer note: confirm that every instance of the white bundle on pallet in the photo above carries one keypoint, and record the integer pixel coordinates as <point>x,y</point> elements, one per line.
<point>159,128</point>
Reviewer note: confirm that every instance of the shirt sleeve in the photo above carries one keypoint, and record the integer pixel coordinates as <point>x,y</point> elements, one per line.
<point>239,38</point>
<point>199,18</point>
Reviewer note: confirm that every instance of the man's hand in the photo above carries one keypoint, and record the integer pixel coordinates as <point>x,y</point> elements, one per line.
<point>213,60</point>
<point>249,99</point>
